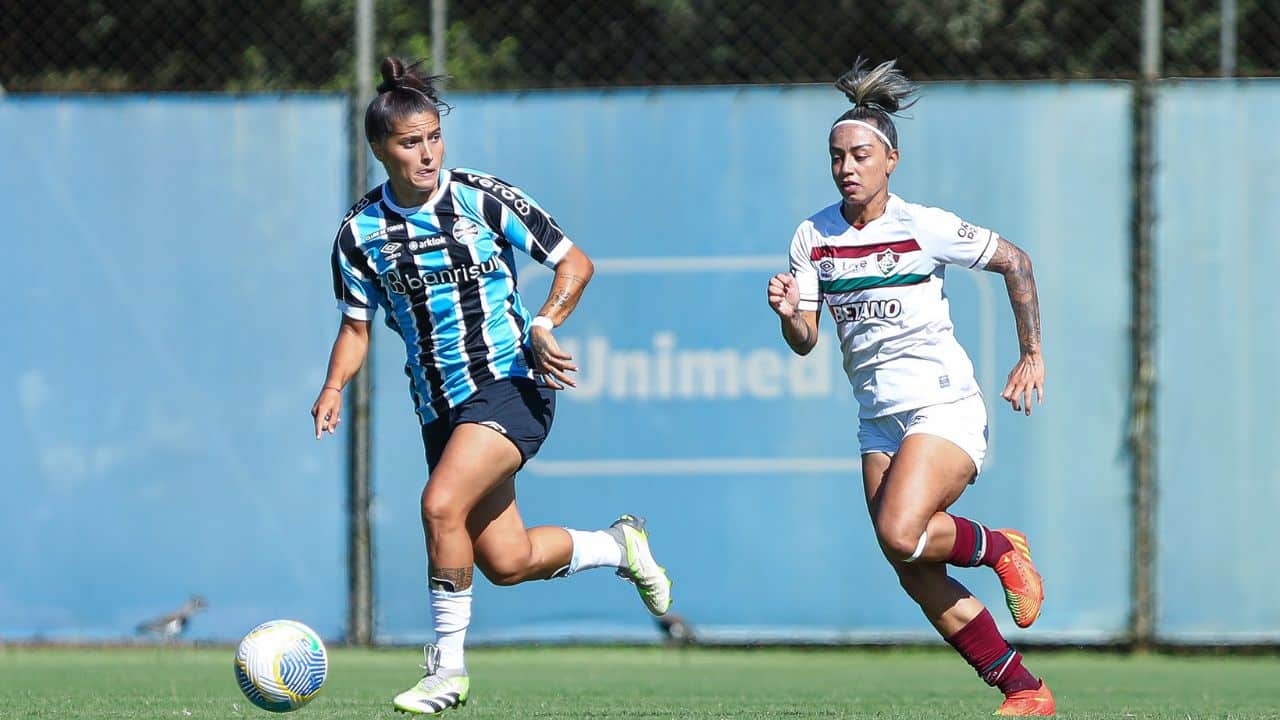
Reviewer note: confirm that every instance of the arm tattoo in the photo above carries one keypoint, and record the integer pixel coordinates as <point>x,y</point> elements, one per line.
<point>566,290</point>
<point>560,298</point>
<point>450,579</point>
<point>1009,260</point>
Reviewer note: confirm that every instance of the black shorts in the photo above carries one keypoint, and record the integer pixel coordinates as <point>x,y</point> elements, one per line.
<point>519,408</point>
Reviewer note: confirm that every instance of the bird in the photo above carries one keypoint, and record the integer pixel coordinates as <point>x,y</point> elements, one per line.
<point>676,629</point>
<point>175,623</point>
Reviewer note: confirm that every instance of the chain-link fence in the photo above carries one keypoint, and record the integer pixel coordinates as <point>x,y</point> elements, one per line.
<point>207,45</point>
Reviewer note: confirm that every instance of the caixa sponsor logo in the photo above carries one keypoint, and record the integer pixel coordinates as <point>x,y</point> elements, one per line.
<point>867,309</point>
<point>516,201</point>
<point>403,284</point>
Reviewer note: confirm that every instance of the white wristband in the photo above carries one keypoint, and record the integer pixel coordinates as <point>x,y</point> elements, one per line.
<point>543,321</point>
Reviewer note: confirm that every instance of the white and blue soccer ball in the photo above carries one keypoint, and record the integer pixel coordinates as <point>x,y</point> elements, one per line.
<point>281,665</point>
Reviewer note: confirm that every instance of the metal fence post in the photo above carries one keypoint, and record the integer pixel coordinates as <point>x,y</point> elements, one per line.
<point>439,20</point>
<point>1142,436</point>
<point>1227,38</point>
<point>360,449</point>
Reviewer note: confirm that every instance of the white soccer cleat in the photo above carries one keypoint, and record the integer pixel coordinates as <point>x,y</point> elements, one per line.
<point>437,691</point>
<point>641,568</point>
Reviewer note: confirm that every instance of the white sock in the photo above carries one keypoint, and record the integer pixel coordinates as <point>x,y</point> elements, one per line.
<point>451,614</point>
<point>593,549</point>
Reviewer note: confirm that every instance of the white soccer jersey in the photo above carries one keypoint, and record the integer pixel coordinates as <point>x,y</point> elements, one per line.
<point>883,284</point>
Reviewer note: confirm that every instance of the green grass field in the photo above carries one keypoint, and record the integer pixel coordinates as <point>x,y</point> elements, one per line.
<point>69,683</point>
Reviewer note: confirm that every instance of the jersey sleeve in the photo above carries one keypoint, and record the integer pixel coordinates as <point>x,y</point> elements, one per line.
<point>950,240</point>
<point>803,270</point>
<point>357,293</point>
<point>511,213</point>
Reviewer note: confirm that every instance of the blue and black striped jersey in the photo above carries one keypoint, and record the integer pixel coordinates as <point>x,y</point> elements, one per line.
<point>444,275</point>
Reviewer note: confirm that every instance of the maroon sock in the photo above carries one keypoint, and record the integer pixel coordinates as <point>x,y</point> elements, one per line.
<point>976,545</point>
<point>983,647</point>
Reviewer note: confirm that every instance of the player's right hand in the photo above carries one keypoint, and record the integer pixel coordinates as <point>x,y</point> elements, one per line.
<point>784,294</point>
<point>326,411</point>
<point>554,364</point>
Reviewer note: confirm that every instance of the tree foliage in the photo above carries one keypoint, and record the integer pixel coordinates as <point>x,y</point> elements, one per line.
<point>201,45</point>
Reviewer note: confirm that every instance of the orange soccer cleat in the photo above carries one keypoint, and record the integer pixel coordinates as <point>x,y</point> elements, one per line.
<point>1023,588</point>
<point>1028,703</point>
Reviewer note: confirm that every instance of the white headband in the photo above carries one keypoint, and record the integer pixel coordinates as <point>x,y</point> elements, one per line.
<point>868,126</point>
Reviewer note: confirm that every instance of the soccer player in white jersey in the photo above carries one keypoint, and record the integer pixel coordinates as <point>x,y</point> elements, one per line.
<point>433,248</point>
<point>878,262</point>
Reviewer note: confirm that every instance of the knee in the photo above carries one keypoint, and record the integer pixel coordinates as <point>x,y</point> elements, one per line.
<point>898,539</point>
<point>441,511</point>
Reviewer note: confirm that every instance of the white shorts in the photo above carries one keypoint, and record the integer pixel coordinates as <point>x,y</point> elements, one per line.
<point>963,422</point>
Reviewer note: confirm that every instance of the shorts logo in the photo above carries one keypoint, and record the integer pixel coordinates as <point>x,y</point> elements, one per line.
<point>887,261</point>
<point>494,426</point>
<point>944,381</point>
<point>867,309</point>
<point>465,231</point>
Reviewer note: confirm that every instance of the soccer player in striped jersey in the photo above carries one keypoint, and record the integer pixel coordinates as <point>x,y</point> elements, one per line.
<point>434,249</point>
<point>878,262</point>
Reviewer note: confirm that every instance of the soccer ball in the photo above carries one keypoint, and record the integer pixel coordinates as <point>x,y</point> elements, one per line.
<point>280,665</point>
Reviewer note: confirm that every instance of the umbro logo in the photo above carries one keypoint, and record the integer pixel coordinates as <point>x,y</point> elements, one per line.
<point>494,426</point>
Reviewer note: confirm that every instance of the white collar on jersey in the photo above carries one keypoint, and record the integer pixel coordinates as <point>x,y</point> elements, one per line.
<point>387,197</point>
<point>868,126</point>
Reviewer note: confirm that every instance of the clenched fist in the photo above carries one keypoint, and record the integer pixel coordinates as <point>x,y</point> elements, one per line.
<point>784,294</point>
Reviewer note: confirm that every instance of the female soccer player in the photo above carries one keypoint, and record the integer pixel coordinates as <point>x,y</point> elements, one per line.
<point>433,248</point>
<point>879,262</point>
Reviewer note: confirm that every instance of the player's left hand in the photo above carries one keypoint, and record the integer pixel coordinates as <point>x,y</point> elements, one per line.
<point>554,363</point>
<point>1025,378</point>
<point>327,411</point>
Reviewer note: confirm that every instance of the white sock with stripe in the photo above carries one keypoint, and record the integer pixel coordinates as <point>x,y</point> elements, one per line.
<point>593,549</point>
<point>451,615</point>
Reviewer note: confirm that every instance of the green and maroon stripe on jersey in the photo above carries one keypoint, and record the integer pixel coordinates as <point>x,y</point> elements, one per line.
<point>846,252</point>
